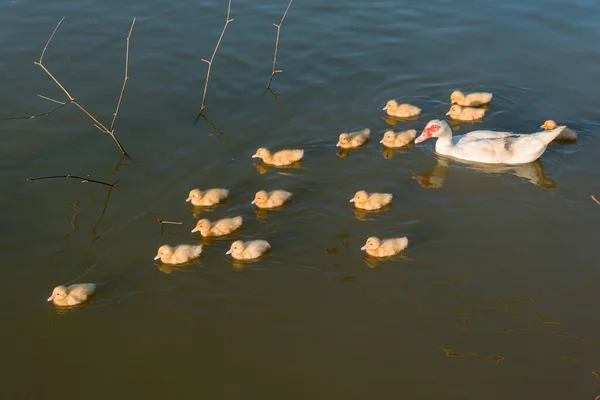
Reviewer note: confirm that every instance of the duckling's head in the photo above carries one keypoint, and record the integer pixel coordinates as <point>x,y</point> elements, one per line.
<point>236,247</point>
<point>359,197</point>
<point>262,153</point>
<point>388,137</point>
<point>391,105</point>
<point>202,226</point>
<point>164,251</point>
<point>372,243</point>
<point>195,194</point>
<point>343,140</point>
<point>259,197</point>
<point>549,125</point>
<point>457,96</point>
<point>454,110</point>
<point>59,293</point>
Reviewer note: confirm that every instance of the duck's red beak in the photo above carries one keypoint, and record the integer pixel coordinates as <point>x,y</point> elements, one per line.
<point>427,132</point>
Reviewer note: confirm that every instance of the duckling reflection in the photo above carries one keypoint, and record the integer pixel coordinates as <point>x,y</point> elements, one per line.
<point>262,168</point>
<point>388,152</point>
<point>363,215</point>
<point>436,177</point>
<point>373,262</point>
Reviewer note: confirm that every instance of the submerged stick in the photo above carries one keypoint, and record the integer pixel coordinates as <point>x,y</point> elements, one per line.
<point>227,21</point>
<point>83,180</point>
<point>37,115</point>
<point>593,198</point>
<point>72,100</point>
<point>278,26</point>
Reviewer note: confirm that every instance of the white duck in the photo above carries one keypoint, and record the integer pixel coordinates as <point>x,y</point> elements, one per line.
<point>488,147</point>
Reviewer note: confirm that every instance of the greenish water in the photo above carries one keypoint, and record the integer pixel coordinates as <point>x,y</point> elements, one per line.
<point>495,297</point>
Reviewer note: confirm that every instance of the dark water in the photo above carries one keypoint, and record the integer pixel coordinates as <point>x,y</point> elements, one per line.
<point>495,298</point>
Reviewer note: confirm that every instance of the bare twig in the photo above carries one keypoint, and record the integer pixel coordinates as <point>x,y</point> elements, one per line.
<point>97,123</point>
<point>112,125</point>
<point>227,21</point>
<point>83,180</point>
<point>596,200</point>
<point>169,222</point>
<point>36,115</point>
<point>278,26</point>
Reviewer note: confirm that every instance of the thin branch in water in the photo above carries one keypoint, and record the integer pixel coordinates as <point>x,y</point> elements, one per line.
<point>36,115</point>
<point>278,26</point>
<point>51,99</point>
<point>97,123</point>
<point>112,124</point>
<point>227,21</point>
<point>596,200</point>
<point>83,180</point>
<point>169,222</point>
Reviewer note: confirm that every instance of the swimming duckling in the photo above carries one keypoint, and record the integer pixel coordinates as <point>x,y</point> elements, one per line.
<point>401,110</point>
<point>178,254</point>
<point>73,294</point>
<point>248,250</point>
<point>283,157</point>
<point>353,139</point>
<point>386,247</point>
<point>218,228</point>
<point>373,201</point>
<point>400,139</point>
<point>209,197</point>
<point>273,199</point>
<point>465,113</point>
<point>470,100</point>
<point>566,133</point>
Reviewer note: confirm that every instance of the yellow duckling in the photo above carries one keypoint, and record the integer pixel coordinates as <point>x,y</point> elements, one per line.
<point>273,199</point>
<point>470,100</point>
<point>178,254</point>
<point>372,201</point>
<point>248,250</point>
<point>209,197</point>
<point>73,294</point>
<point>283,157</point>
<point>401,110</point>
<point>566,133</point>
<point>400,139</point>
<point>218,228</point>
<point>386,247</point>
<point>465,113</point>
<point>353,139</point>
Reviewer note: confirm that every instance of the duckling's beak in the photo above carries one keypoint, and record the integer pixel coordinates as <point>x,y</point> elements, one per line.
<point>385,108</point>
<point>338,144</point>
<point>51,298</point>
<point>364,247</point>
<point>381,141</point>
<point>196,229</point>
<point>543,126</point>
<point>255,156</point>
<point>157,257</point>
<point>188,199</point>
<point>253,201</point>
<point>352,200</point>
<point>229,251</point>
<point>448,113</point>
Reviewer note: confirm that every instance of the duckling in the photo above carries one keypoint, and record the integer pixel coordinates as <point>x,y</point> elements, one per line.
<point>178,254</point>
<point>465,113</point>
<point>283,157</point>
<point>373,201</point>
<point>401,110</point>
<point>73,294</point>
<point>400,139</point>
<point>218,228</point>
<point>470,100</point>
<point>273,199</point>
<point>566,133</point>
<point>353,139</point>
<point>248,250</point>
<point>209,197</point>
<point>386,247</point>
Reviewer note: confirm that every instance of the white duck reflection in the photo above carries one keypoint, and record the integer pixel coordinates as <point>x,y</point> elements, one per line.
<point>436,177</point>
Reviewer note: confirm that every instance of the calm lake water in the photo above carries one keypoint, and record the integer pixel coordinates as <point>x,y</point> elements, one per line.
<point>495,298</point>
